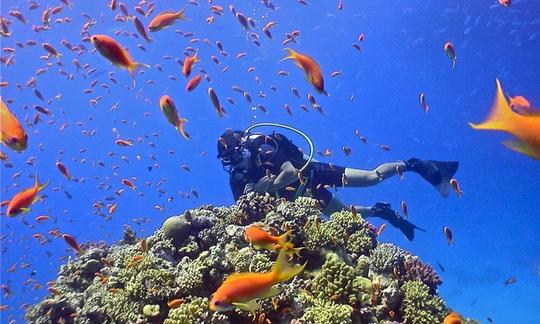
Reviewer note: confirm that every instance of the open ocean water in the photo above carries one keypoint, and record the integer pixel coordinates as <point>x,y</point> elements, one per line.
<point>374,92</point>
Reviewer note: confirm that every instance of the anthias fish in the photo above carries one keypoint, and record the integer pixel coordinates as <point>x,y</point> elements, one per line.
<point>240,290</point>
<point>12,134</point>
<point>525,128</point>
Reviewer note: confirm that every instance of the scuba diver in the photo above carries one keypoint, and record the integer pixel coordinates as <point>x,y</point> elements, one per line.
<point>272,163</point>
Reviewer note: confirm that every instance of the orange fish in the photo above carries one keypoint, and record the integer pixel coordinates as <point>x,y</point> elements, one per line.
<point>310,67</point>
<point>452,318</point>
<point>455,186</point>
<point>115,53</point>
<point>405,209</point>
<point>169,110</point>
<point>505,3</point>
<point>451,52</point>
<point>23,199</point>
<point>165,19</point>
<point>240,290</point>
<point>63,169</point>
<point>449,235</point>
<point>193,82</point>
<point>262,239</point>
<point>12,134</point>
<point>525,128</point>
<point>521,105</point>
<point>188,64</point>
<point>380,229</point>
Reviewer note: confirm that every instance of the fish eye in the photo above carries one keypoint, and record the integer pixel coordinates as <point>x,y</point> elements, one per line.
<point>14,140</point>
<point>216,303</point>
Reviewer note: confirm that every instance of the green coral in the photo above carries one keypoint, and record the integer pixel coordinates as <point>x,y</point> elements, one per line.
<point>335,281</point>
<point>344,229</point>
<point>419,306</point>
<point>327,312</point>
<point>195,311</point>
<point>249,260</point>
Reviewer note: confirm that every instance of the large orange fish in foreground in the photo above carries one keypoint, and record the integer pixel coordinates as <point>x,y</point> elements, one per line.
<point>115,53</point>
<point>12,134</point>
<point>22,200</point>
<point>165,19</point>
<point>525,128</point>
<point>240,290</point>
<point>169,110</point>
<point>310,68</point>
<point>262,239</point>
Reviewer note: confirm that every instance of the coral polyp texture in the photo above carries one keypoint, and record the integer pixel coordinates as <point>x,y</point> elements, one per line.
<point>170,276</point>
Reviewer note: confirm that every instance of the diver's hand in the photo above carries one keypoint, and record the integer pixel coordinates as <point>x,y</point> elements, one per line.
<point>264,184</point>
<point>249,188</point>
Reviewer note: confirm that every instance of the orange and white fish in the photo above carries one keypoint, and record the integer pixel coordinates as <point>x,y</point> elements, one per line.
<point>240,290</point>
<point>169,110</point>
<point>309,66</point>
<point>188,64</point>
<point>165,19</point>
<point>262,239</point>
<point>456,187</point>
<point>23,199</point>
<point>449,236</point>
<point>115,53</point>
<point>525,128</point>
<point>12,134</point>
<point>505,3</point>
<point>451,52</point>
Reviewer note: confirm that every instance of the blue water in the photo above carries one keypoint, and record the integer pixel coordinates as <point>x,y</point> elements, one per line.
<point>495,223</point>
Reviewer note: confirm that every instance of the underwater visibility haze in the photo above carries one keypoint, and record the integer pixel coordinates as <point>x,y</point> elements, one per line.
<point>116,209</point>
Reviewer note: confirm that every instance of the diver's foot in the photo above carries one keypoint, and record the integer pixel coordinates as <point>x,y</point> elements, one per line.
<point>384,211</point>
<point>438,173</point>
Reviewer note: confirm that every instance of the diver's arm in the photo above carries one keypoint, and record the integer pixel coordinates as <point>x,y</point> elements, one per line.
<point>288,174</point>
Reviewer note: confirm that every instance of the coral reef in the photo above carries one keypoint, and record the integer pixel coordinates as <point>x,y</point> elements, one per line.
<point>169,276</point>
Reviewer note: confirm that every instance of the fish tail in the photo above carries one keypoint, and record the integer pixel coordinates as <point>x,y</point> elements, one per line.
<point>133,67</point>
<point>283,239</point>
<point>180,15</point>
<point>291,55</point>
<point>181,129</point>
<point>282,270</point>
<point>453,62</point>
<point>500,115</point>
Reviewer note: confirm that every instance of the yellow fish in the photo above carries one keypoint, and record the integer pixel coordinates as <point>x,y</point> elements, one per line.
<point>525,128</point>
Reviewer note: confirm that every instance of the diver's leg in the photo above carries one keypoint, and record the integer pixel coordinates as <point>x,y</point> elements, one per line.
<point>364,178</point>
<point>333,206</point>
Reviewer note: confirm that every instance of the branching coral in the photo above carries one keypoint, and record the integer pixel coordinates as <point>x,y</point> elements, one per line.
<point>252,207</point>
<point>335,281</point>
<point>419,306</point>
<point>327,312</point>
<point>385,258</point>
<point>195,311</point>
<point>418,270</point>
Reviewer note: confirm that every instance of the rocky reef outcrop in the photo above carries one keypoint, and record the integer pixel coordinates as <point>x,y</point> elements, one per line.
<point>169,276</point>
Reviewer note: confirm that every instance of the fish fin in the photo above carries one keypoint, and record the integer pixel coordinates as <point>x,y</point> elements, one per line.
<point>250,306</point>
<point>181,129</point>
<point>500,114</point>
<point>44,185</point>
<point>282,270</point>
<point>523,148</point>
<point>180,15</point>
<point>271,292</point>
<point>23,210</point>
<point>135,66</point>
<point>454,62</point>
<point>283,239</point>
<point>291,55</point>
